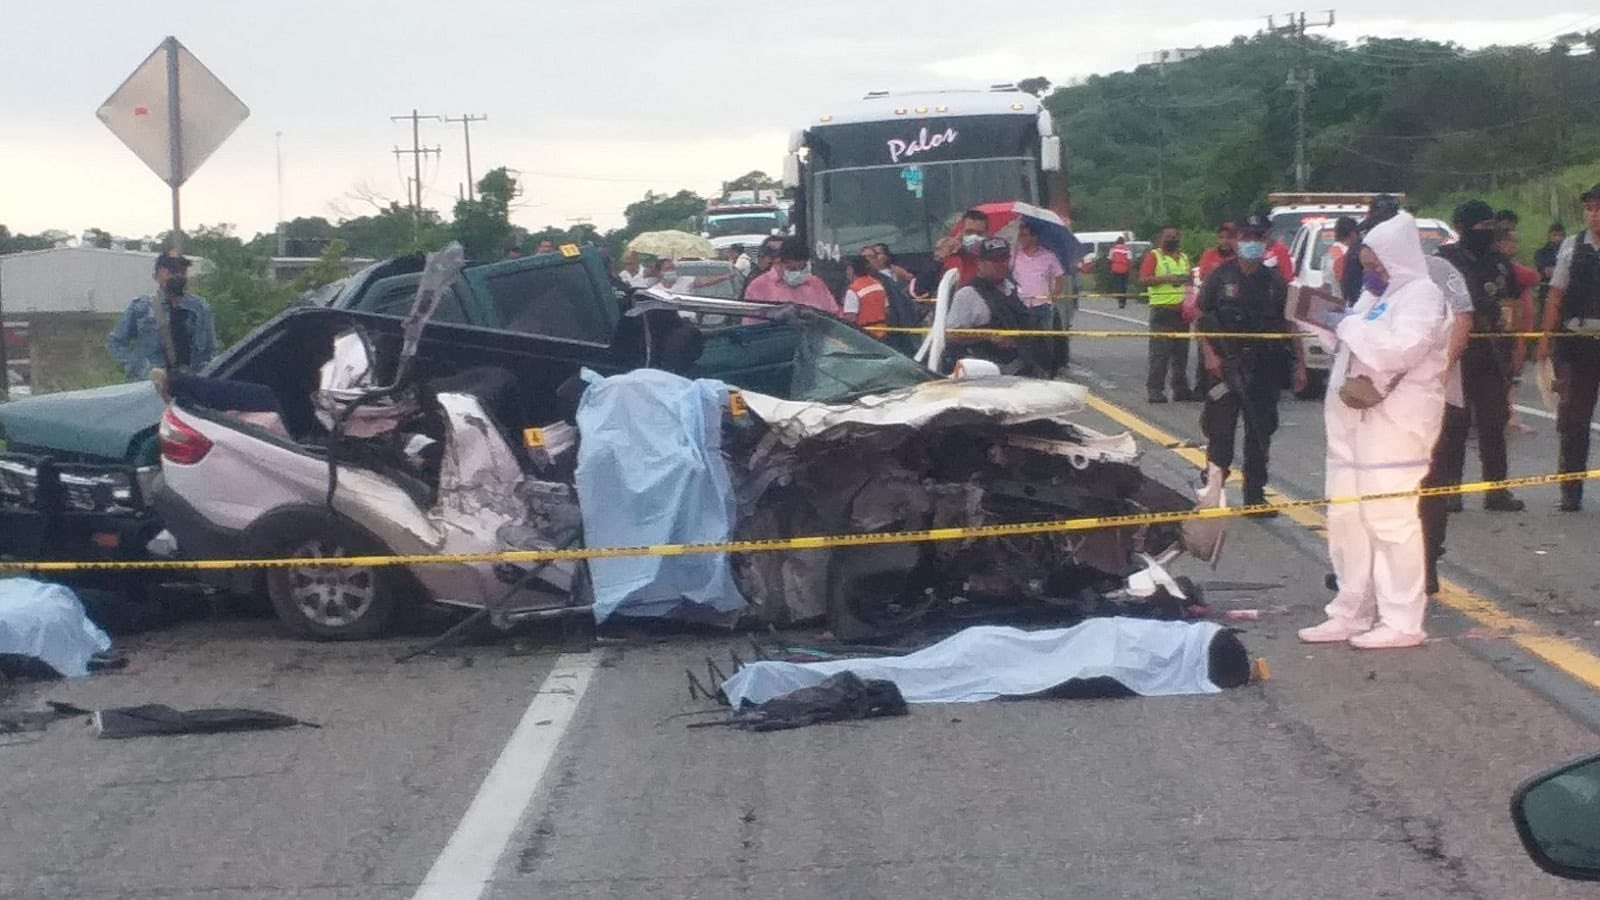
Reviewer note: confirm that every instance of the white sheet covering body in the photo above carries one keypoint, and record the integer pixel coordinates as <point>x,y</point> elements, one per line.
<point>1151,658</point>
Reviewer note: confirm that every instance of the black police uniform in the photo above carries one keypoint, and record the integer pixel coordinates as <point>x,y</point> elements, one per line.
<point>1485,365</point>
<point>1006,313</point>
<point>1577,361</point>
<point>1253,371</point>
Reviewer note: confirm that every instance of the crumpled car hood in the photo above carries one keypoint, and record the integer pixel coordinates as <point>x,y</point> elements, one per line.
<point>1000,400</point>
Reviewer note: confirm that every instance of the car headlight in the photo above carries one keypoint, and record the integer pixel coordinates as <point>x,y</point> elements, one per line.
<point>19,482</point>
<point>96,492</point>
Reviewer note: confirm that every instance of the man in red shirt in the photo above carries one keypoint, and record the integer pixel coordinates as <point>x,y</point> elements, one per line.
<point>1227,244</point>
<point>960,254</point>
<point>1121,259</point>
<point>1521,317</point>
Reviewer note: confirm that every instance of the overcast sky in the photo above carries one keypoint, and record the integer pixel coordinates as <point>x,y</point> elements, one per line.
<point>595,102</point>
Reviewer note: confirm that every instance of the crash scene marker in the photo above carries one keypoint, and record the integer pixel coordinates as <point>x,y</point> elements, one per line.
<point>805,537</point>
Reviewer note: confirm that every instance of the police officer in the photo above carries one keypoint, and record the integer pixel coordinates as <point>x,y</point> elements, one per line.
<point>1573,307</point>
<point>1486,362</point>
<point>1244,295</point>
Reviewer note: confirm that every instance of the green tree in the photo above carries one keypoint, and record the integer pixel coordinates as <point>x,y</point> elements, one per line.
<point>663,212</point>
<point>328,268</point>
<point>99,237</point>
<point>483,225</point>
<point>754,180</point>
<point>18,243</point>
<point>1038,85</point>
<point>393,231</point>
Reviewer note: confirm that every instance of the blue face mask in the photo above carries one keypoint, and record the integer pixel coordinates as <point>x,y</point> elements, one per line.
<point>1373,283</point>
<point>1252,251</point>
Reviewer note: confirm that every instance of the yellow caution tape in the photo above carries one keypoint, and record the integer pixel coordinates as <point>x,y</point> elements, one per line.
<point>819,542</point>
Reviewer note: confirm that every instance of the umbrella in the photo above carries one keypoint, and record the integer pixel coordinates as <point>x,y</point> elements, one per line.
<point>1053,233</point>
<point>673,245</point>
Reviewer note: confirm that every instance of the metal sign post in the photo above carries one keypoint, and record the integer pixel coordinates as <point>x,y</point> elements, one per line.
<point>174,138</point>
<point>173,114</point>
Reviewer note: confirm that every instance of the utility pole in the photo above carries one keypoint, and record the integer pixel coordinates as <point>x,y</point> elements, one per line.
<point>466,120</point>
<point>1301,78</point>
<point>282,237</point>
<point>417,151</point>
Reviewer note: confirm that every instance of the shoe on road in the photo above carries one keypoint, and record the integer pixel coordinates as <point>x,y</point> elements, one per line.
<point>1503,501</point>
<point>1333,631</point>
<point>1385,638</point>
<point>1570,504</point>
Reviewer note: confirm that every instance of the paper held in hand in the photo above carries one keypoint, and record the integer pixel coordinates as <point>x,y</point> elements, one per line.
<point>1316,311</point>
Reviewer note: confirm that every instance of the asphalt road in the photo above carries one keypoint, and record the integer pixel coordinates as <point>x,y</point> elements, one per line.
<point>486,772</point>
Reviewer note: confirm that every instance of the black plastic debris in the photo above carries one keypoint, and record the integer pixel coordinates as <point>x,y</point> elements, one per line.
<point>156,719</point>
<point>843,697</point>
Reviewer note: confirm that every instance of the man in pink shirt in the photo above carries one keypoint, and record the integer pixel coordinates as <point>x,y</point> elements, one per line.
<point>1040,278</point>
<point>789,282</point>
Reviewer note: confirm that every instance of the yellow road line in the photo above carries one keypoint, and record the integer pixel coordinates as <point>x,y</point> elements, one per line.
<point>1562,653</point>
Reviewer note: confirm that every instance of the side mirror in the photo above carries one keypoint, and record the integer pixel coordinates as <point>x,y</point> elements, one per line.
<point>791,171</point>
<point>1557,815</point>
<point>1050,153</point>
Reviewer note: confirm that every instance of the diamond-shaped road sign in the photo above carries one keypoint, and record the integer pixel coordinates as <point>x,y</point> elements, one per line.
<point>141,112</point>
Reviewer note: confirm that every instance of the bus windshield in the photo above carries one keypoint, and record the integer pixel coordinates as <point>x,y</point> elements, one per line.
<point>909,207</point>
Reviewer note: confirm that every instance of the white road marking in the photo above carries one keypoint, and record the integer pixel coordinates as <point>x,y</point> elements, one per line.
<point>1111,315</point>
<point>467,864</point>
<point>1535,411</point>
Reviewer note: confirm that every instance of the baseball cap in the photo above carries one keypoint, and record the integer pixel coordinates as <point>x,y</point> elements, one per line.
<point>995,248</point>
<point>1383,208</point>
<point>172,261</point>
<point>1591,194</point>
<point>1256,224</point>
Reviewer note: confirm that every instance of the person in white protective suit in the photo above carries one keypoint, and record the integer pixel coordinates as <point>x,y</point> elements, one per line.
<point>1395,343</point>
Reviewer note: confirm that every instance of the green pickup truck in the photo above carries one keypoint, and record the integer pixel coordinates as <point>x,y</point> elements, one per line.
<point>80,467</point>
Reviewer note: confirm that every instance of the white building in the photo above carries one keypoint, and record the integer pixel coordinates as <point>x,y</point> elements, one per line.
<point>73,280</point>
<point>58,305</point>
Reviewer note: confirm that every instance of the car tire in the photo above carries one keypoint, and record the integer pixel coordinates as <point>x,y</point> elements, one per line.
<point>855,573</point>
<point>1316,385</point>
<point>323,603</point>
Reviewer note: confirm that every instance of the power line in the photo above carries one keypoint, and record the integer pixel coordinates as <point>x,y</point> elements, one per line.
<point>1502,170</point>
<point>466,120</point>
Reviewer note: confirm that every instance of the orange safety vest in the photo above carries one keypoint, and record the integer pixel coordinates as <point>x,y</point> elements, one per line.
<point>1121,258</point>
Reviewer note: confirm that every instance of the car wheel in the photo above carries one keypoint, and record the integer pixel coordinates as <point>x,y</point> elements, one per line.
<point>331,603</point>
<point>1316,385</point>
<point>876,591</point>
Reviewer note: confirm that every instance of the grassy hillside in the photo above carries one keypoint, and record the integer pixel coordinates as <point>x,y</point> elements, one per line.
<point>1205,139</point>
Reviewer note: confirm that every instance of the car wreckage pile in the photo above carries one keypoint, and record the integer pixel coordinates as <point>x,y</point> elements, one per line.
<point>449,465</point>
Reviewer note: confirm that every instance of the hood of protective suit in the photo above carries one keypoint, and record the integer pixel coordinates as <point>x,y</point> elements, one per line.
<point>1399,248</point>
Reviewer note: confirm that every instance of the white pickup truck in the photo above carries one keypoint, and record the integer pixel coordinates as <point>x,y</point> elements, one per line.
<point>1310,247</point>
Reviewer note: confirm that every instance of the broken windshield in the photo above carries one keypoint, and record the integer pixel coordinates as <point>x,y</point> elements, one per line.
<point>835,363</point>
